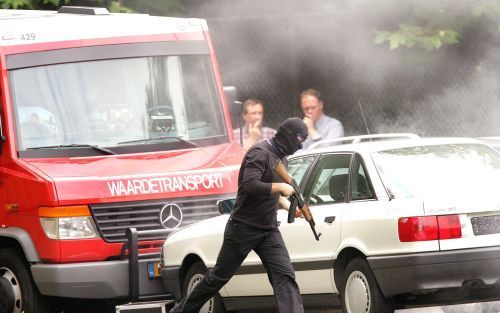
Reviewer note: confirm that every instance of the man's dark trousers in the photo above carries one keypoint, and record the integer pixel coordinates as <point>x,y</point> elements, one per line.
<point>239,240</point>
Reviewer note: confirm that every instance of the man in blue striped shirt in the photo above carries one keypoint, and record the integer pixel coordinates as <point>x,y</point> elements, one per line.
<point>320,126</point>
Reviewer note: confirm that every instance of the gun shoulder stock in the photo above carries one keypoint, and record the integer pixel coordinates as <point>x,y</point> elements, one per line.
<point>281,171</point>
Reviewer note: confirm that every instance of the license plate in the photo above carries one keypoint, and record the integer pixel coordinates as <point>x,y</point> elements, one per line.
<point>154,270</point>
<point>485,225</point>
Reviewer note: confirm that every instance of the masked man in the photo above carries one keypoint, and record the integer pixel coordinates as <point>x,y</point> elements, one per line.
<point>253,224</point>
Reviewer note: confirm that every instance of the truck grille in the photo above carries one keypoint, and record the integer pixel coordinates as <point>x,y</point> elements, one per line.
<point>112,219</point>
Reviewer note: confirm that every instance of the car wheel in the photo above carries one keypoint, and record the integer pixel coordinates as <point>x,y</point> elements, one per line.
<point>360,292</point>
<point>194,276</point>
<point>18,292</point>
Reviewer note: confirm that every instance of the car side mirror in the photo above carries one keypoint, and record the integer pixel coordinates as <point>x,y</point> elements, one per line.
<point>226,206</point>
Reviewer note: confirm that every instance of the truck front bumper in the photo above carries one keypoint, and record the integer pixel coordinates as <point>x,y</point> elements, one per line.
<point>465,268</point>
<point>93,280</point>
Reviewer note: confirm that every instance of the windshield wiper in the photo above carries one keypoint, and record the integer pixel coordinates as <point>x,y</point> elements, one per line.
<point>75,145</point>
<point>188,142</point>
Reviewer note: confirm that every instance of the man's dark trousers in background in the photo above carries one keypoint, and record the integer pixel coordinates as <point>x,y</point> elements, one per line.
<point>239,240</point>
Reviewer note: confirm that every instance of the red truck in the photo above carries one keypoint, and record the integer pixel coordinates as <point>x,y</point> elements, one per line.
<point>108,122</point>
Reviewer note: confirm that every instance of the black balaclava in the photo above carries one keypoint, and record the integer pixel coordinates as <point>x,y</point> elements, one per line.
<point>287,137</point>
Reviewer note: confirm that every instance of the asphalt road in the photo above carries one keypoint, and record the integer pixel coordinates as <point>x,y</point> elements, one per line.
<point>485,307</point>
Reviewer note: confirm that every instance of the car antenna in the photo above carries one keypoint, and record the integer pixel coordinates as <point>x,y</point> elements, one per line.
<point>364,119</point>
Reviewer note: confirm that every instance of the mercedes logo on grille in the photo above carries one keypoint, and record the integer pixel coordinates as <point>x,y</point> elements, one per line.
<point>170,216</point>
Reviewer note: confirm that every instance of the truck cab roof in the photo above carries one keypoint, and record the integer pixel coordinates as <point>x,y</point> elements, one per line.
<point>19,27</point>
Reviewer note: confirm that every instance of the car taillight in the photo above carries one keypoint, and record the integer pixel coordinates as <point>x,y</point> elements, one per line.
<point>449,227</point>
<point>422,228</point>
<point>417,228</point>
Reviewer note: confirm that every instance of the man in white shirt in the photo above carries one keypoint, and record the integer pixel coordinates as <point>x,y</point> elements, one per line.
<point>320,126</point>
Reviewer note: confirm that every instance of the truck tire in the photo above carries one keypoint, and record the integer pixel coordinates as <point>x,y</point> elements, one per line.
<point>18,293</point>
<point>360,292</point>
<point>194,276</point>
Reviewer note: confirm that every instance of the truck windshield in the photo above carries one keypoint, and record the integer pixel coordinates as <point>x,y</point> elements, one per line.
<point>119,102</point>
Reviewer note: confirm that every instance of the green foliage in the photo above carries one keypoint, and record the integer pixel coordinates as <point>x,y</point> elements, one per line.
<point>156,7</point>
<point>15,4</point>
<point>54,3</point>
<point>119,8</point>
<point>487,8</point>
<point>437,23</point>
<point>410,35</point>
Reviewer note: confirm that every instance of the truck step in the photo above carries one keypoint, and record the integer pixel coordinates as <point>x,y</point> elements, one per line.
<point>146,307</point>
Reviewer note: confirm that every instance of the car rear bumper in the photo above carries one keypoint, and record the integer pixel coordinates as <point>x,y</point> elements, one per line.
<point>93,280</point>
<point>401,274</point>
<point>171,280</point>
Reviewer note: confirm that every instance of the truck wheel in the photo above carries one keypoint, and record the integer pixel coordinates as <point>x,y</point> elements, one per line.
<point>18,292</point>
<point>360,292</point>
<point>194,276</point>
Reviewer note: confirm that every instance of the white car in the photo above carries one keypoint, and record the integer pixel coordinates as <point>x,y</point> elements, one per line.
<point>492,141</point>
<point>403,221</point>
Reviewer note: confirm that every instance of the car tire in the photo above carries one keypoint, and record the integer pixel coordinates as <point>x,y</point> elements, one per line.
<point>195,275</point>
<point>360,292</point>
<point>18,292</point>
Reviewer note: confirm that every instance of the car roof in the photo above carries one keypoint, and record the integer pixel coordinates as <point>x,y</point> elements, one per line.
<point>51,26</point>
<point>493,141</point>
<point>381,145</point>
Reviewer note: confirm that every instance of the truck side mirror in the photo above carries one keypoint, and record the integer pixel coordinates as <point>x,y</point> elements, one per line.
<point>235,106</point>
<point>226,206</point>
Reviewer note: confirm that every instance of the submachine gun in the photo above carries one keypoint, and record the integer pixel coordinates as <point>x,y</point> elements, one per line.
<point>297,200</point>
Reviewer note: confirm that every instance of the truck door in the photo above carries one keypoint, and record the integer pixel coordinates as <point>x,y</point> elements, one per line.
<point>3,152</point>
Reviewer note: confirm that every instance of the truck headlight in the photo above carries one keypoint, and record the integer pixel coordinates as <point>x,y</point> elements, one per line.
<point>68,222</point>
<point>69,227</point>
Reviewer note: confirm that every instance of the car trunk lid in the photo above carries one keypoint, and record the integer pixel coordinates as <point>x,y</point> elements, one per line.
<point>478,219</point>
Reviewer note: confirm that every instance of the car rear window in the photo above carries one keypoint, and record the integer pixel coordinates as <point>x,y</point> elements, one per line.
<point>455,170</point>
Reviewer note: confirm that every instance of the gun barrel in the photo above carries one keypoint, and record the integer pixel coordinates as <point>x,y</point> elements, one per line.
<point>316,235</point>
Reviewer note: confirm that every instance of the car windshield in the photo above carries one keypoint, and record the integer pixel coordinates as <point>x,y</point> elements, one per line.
<point>437,171</point>
<point>116,102</point>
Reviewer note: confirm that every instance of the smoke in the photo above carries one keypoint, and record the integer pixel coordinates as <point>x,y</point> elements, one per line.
<point>274,49</point>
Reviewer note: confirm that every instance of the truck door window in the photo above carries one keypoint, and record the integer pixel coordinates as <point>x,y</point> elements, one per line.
<point>107,102</point>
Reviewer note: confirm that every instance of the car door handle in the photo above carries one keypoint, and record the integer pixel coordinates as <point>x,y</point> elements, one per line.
<point>329,219</point>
